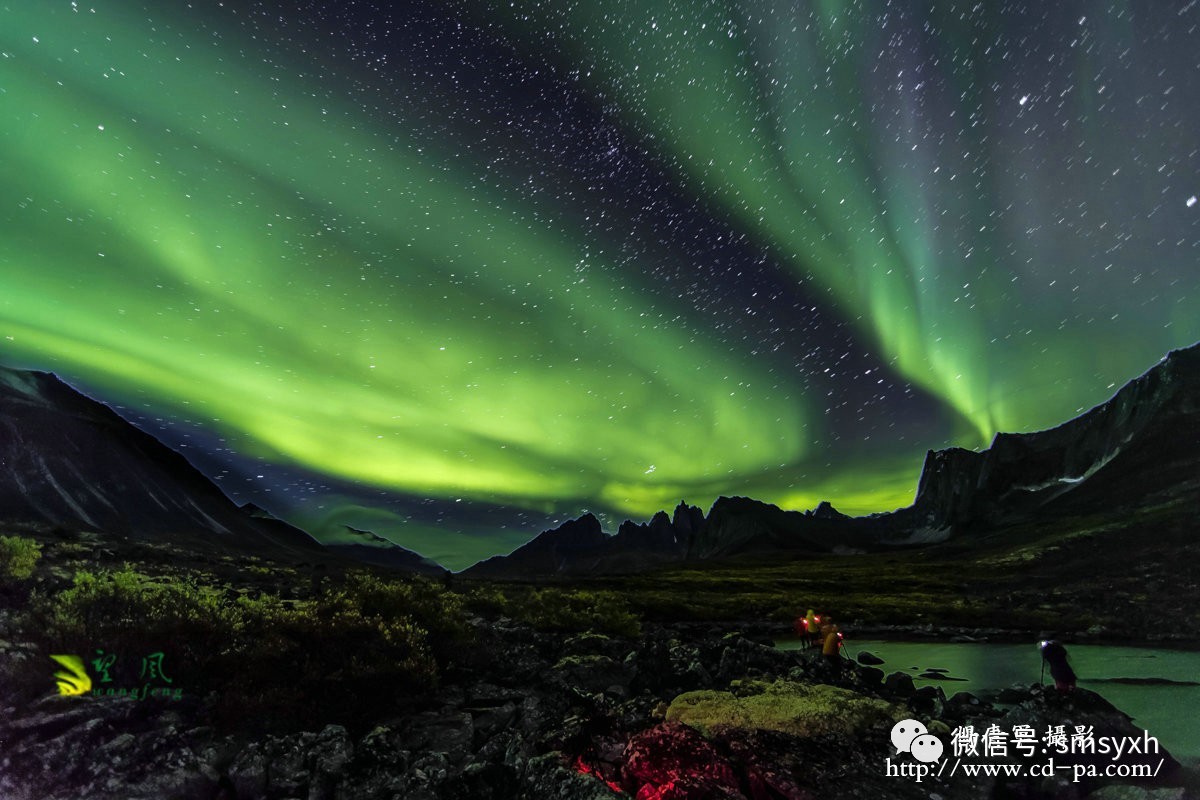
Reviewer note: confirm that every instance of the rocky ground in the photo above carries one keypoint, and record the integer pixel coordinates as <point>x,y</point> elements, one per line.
<point>675,712</point>
<point>668,715</point>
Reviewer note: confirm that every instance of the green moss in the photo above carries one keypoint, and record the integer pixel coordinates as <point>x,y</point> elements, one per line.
<point>798,709</point>
<point>18,557</point>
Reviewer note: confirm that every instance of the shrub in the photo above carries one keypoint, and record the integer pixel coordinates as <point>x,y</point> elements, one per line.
<point>318,661</point>
<point>130,615</point>
<point>433,608</point>
<point>18,557</point>
<point>344,656</point>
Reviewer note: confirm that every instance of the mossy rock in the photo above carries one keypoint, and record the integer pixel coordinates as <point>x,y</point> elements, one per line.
<point>799,709</point>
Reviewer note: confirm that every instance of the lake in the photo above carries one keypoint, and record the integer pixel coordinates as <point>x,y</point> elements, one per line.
<point>1169,713</point>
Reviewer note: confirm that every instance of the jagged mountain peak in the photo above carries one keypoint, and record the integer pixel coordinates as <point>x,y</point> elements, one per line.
<point>68,460</point>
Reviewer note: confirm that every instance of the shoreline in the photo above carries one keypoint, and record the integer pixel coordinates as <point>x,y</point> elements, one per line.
<point>951,635</point>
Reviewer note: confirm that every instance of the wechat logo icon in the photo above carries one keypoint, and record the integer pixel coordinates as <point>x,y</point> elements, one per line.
<point>911,736</point>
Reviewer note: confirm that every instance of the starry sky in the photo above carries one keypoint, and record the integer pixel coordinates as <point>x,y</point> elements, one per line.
<point>457,271</point>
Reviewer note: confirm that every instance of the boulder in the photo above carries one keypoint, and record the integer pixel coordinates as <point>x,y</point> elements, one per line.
<point>549,776</point>
<point>673,760</point>
<point>900,684</point>
<point>593,673</point>
<point>929,701</point>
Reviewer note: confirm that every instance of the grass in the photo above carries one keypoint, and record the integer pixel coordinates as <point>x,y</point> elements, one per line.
<point>272,647</point>
<point>1133,576</point>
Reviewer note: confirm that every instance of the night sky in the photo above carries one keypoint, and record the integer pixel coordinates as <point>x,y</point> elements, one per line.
<point>457,271</point>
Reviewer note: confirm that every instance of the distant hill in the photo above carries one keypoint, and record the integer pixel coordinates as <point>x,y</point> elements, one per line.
<point>371,548</point>
<point>71,462</point>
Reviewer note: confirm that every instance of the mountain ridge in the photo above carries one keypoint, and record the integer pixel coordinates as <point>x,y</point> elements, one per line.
<point>69,460</point>
<point>1140,445</point>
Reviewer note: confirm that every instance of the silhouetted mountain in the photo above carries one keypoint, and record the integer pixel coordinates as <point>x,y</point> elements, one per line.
<point>658,536</point>
<point>689,521</point>
<point>267,522</point>
<point>1140,449</point>
<point>581,547</point>
<point>69,461</point>
<point>738,525</point>
<point>374,549</point>
<point>636,547</point>
<point>548,553</point>
<point>72,462</point>
<point>734,526</point>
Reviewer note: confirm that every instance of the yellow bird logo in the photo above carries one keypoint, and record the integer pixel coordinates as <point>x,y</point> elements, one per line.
<point>73,679</point>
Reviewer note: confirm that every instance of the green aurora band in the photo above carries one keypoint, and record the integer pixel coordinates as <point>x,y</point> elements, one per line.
<point>763,106</point>
<point>219,262</point>
<point>185,228</point>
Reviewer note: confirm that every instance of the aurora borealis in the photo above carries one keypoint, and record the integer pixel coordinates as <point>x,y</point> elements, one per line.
<point>472,262</point>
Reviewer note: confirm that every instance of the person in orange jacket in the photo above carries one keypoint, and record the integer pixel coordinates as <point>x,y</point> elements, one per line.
<point>812,623</point>
<point>808,628</point>
<point>831,638</point>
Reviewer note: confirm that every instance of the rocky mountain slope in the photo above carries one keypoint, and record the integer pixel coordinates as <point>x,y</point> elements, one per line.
<point>71,462</point>
<point>1140,448</point>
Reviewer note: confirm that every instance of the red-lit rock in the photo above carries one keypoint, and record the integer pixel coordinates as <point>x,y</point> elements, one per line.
<point>688,788</point>
<point>674,762</point>
<point>584,768</point>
